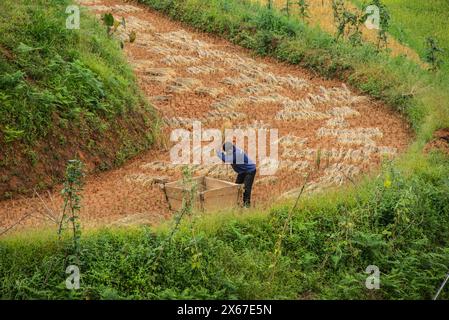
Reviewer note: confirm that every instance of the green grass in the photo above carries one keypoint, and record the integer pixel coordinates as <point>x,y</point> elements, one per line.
<point>63,85</point>
<point>332,238</point>
<point>413,21</point>
<point>396,220</point>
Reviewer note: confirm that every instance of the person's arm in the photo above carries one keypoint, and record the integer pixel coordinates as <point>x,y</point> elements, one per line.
<point>239,156</point>
<point>221,155</point>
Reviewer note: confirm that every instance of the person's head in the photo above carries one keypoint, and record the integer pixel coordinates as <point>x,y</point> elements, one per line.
<point>228,147</point>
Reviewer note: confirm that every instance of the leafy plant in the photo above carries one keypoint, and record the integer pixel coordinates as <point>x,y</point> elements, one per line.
<point>187,207</point>
<point>339,10</point>
<point>348,23</point>
<point>303,8</point>
<point>384,24</point>
<point>433,53</point>
<point>11,134</point>
<point>109,21</point>
<point>356,20</point>
<point>73,186</point>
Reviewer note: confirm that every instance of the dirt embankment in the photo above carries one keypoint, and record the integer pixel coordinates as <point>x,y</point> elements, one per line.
<point>439,142</point>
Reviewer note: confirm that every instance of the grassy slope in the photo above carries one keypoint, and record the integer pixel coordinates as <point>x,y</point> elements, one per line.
<point>401,229</point>
<point>63,93</point>
<point>414,20</point>
<point>321,14</point>
<point>396,221</point>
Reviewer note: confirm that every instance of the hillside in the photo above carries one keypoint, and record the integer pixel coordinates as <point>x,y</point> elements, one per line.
<point>64,93</point>
<point>317,244</point>
<point>320,14</point>
<point>413,21</point>
<point>190,76</point>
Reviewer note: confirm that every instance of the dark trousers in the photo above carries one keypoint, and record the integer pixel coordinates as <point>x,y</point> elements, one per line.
<point>246,178</point>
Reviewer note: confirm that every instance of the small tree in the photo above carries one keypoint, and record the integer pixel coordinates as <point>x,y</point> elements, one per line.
<point>187,208</point>
<point>340,20</point>
<point>303,9</point>
<point>348,23</point>
<point>433,52</point>
<point>355,21</point>
<point>73,186</point>
<point>384,24</point>
<point>110,23</point>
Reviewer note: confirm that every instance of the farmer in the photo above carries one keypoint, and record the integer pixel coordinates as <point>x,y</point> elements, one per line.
<point>242,165</point>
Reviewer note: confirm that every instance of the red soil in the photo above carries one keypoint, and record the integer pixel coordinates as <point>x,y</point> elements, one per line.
<point>128,191</point>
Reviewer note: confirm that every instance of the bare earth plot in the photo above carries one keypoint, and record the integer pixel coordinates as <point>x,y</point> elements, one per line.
<point>193,76</point>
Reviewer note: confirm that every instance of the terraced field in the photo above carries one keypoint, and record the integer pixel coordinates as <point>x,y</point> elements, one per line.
<point>325,127</point>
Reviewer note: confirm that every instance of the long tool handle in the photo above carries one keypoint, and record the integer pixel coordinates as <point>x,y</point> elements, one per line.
<point>442,287</point>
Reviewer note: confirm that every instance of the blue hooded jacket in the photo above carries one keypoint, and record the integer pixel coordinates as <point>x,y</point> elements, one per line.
<point>239,160</point>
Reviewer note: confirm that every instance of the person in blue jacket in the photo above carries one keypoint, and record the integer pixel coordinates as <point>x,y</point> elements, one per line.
<point>242,165</point>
